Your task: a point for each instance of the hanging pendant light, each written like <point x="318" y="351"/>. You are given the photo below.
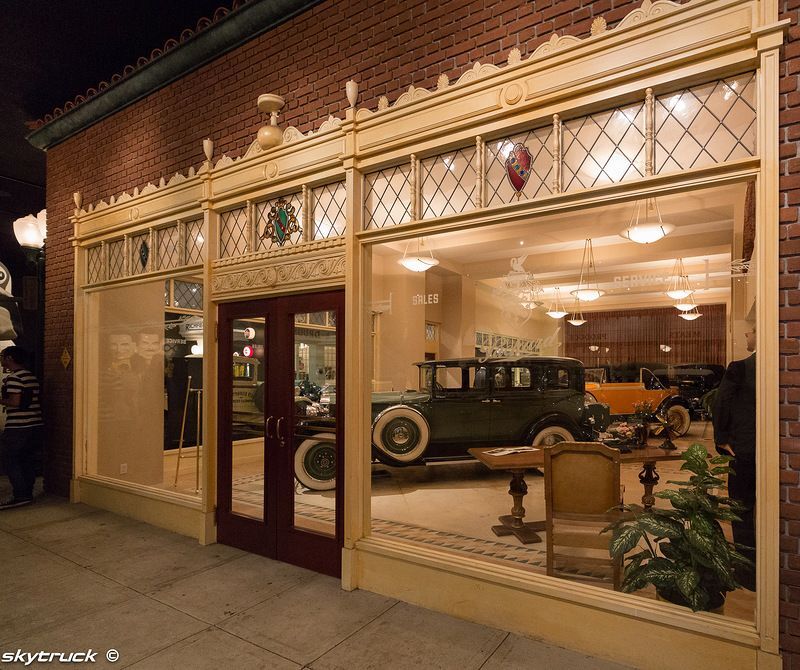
<point x="679" y="287"/>
<point x="646" y="228"/>
<point x="576" y="318"/>
<point x="588" y="289"/>
<point x="556" y="309"/>
<point x="689" y="310"/>
<point x="420" y="262"/>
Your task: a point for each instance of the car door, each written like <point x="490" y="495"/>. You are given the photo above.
<point x="516" y="402"/>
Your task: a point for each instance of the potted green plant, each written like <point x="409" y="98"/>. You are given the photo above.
<point x="683" y="551"/>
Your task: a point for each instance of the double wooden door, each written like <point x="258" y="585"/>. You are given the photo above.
<point x="276" y="355"/>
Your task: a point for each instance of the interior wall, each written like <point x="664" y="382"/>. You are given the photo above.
<point x="637" y="335"/>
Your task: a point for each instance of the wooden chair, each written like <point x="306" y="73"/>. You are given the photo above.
<point x="581" y="485"/>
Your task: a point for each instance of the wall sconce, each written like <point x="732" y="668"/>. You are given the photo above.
<point x="31" y="231"/>
<point x="271" y="135"/>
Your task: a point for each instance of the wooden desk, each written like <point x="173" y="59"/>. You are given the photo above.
<point x="517" y="464"/>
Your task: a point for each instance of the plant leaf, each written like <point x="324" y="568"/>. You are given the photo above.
<point x="623" y="540"/>
<point x="687" y="582"/>
<point x="701" y="542"/>
<point x="661" y="526"/>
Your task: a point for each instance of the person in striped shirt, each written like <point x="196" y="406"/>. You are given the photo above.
<point x="21" y="438"/>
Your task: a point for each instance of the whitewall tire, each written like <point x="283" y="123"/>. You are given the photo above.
<point x="315" y="462"/>
<point x="402" y="433"/>
<point x="679" y="420"/>
<point x="551" y="435"/>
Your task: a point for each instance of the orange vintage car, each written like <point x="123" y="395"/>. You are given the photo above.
<point x="622" y="398"/>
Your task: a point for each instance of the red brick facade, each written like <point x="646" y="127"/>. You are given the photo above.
<point x="385" y="46"/>
<point x="789" y="343"/>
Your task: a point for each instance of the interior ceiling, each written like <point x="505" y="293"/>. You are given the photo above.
<point x="707" y="235"/>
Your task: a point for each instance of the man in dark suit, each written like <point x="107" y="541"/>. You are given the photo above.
<point x="735" y="435"/>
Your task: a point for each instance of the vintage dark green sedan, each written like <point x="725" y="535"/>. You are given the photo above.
<point x="463" y="403"/>
<point x="467" y="402"/>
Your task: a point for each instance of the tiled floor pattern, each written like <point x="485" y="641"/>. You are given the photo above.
<point x="77" y="578"/>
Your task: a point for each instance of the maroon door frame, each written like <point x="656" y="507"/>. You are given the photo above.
<point x="276" y="536"/>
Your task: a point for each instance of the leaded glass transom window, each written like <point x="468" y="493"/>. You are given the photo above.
<point x="387" y="200"/>
<point x="539" y="143"/>
<point x="448" y="183"/>
<point x="187" y="295"/>
<point x="140" y="253"/>
<point x="330" y="213"/>
<point x="292" y="206"/>
<point x="116" y="259"/>
<point x="233" y="233"/>
<point x="195" y="242"/>
<point x="168" y="256"/>
<point x="95" y="263"/>
<point x="603" y="148"/>
<point x="707" y="124"/>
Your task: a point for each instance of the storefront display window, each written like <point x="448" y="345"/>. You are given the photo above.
<point x="145" y="384"/>
<point x="515" y="375"/>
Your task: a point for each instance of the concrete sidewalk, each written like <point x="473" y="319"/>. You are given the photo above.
<point x="76" y="578"/>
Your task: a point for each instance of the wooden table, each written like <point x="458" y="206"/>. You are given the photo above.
<point x="527" y="532"/>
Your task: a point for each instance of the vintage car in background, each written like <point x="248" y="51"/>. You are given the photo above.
<point x="468" y="402"/>
<point x="623" y="397"/>
<point x="693" y="381"/>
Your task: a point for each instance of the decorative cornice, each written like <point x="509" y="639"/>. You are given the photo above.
<point x="300" y="272"/>
<point x="649" y="10"/>
<point x="213" y="38"/>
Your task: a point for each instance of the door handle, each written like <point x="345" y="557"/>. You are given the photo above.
<point x="279" y="432"/>
<point x="266" y="428"/>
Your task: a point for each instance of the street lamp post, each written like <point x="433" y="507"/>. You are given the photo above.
<point x="31" y="232"/>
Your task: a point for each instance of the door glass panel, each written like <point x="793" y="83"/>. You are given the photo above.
<point x="314" y="423"/>
<point x="247" y="430"/>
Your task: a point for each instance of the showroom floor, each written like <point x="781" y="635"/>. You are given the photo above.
<point x="78" y="578"/>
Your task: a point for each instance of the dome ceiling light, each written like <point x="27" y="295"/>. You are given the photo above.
<point x="679" y="287"/>
<point x="419" y="262"/>
<point x="576" y="318"/>
<point x="556" y="309"/>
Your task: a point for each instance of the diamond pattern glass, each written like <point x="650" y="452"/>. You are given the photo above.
<point x="330" y="216"/>
<point x="167" y="241"/>
<point x="603" y="148"/>
<point x="705" y="125"/>
<point x="233" y="233"/>
<point x="387" y="201"/>
<point x="262" y="218"/>
<point x="138" y="253"/>
<point x="95" y="264"/>
<point x="116" y="259"/>
<point x="539" y="143"/>
<point x="448" y="183"/>
<point x="187" y="295"/>
<point x="195" y="242"/>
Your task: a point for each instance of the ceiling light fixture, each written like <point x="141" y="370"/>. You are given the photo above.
<point x="418" y="263"/>
<point x="648" y="228"/>
<point x="689" y="310"/>
<point x="576" y="318"/>
<point x="588" y="290"/>
<point x="556" y="309"/>
<point x="679" y="287"/>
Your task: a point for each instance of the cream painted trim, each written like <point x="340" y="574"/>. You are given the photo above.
<point x="767" y="359"/>
<point x="622" y="628"/>
<point x="152" y="492"/>
<point x="174" y="514"/>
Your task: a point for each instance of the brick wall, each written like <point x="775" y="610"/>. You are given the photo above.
<point x="789" y="343"/>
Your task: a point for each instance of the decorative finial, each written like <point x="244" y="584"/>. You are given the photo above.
<point x="208" y="148"/>
<point x="443" y="82"/>
<point x="77" y="198"/>
<point x="351" y="88"/>
<point x="271" y="135"/>
<point x="514" y="56"/>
